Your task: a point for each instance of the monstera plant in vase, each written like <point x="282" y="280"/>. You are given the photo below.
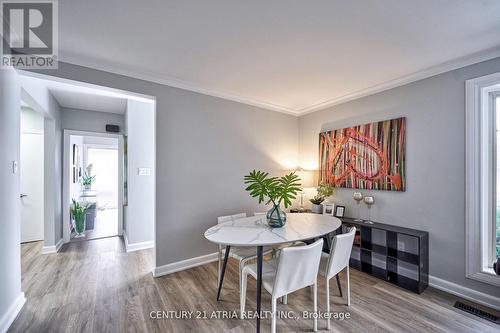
<point x="324" y="191"/>
<point x="275" y="191"/>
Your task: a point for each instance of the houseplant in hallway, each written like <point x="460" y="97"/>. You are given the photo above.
<point x="275" y="190"/>
<point x="78" y="215"/>
<point x="88" y="179"/>
<point x="324" y="191"/>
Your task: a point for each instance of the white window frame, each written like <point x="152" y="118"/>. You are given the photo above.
<point x="480" y="172"/>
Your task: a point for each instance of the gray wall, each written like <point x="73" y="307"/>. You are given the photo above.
<point x="10" y="227"/>
<point x="91" y="121"/>
<point x="140" y="210"/>
<point x="435" y="196"/>
<point x="205" y="145"/>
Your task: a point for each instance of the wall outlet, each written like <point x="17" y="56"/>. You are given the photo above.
<point x="144" y="171"/>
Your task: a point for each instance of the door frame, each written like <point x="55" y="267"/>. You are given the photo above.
<point x="67" y="177"/>
<point x="39" y="133"/>
<point x="49" y="175"/>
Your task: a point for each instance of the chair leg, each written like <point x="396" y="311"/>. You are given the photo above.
<point x="240" y="280"/>
<point x="338" y="285"/>
<point x="243" y="294"/>
<point x="348" y="288"/>
<point x="328" y="303"/>
<point x="315" y="306"/>
<point x="273" y="316"/>
<point x="284" y="299"/>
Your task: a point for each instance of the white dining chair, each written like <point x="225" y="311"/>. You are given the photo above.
<point x="333" y="263"/>
<point x="296" y="268"/>
<point x="242" y="254"/>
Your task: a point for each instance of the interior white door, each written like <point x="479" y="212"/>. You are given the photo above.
<point x="31" y="171"/>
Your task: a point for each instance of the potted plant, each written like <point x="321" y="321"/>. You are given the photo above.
<point x="78" y="214"/>
<point x="87" y="178"/>
<point x="275" y="190"/>
<point x="324" y="191"/>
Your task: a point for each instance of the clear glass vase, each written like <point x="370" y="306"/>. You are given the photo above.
<point x="276" y="218"/>
<point x="80" y="222"/>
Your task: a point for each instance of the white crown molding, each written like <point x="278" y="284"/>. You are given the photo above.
<point x="184" y="264"/>
<point x="177" y="83"/>
<point x="417" y="76"/>
<point x="53" y="248"/>
<point x="8" y="318"/>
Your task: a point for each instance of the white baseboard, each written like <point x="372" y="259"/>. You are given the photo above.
<point x="9" y="317"/>
<point x="466" y="293"/>
<point x="184" y="264"/>
<point x="53" y="248"/>
<point x="131" y="247"/>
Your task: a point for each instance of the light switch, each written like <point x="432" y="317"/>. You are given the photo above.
<point x="144" y="171"/>
<point x="15" y="167"/>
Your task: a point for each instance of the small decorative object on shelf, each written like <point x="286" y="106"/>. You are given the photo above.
<point x="79" y="214"/>
<point x="329" y="208"/>
<point x="358" y="196"/>
<point x="339" y="211"/>
<point x="496" y="266"/>
<point x="276" y="191"/>
<point x="369" y="201"/>
<point x="324" y="191"/>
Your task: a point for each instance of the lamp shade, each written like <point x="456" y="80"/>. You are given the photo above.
<point x="308" y="178"/>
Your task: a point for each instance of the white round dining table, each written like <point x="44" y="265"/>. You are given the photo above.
<point x="254" y="231"/>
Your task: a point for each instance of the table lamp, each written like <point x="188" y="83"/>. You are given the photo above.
<point x="308" y="179"/>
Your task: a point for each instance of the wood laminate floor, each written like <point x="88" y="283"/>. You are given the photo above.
<point x="95" y="286"/>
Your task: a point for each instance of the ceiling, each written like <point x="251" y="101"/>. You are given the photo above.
<point x="287" y="55"/>
<point x="72" y="98"/>
<point x="74" y="95"/>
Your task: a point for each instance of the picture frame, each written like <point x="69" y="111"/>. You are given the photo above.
<point x="76" y="164"/>
<point x="328" y="208"/>
<point x="75" y="154"/>
<point x="339" y="211"/>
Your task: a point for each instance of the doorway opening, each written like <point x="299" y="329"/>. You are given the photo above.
<point x="31" y="170"/>
<point x="95" y="170"/>
<point x="79" y="109"/>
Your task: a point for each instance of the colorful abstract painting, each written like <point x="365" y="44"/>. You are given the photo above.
<point x="370" y="156"/>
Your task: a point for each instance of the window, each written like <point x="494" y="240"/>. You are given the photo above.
<point x="482" y="177"/>
<point x="105" y="168"/>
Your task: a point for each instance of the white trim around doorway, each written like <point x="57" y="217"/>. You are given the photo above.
<point x="67" y="178"/>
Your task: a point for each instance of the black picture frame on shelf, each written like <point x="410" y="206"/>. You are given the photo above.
<point x="339" y="211"/>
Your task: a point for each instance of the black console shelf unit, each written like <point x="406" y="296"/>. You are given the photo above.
<point x="387" y="257"/>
